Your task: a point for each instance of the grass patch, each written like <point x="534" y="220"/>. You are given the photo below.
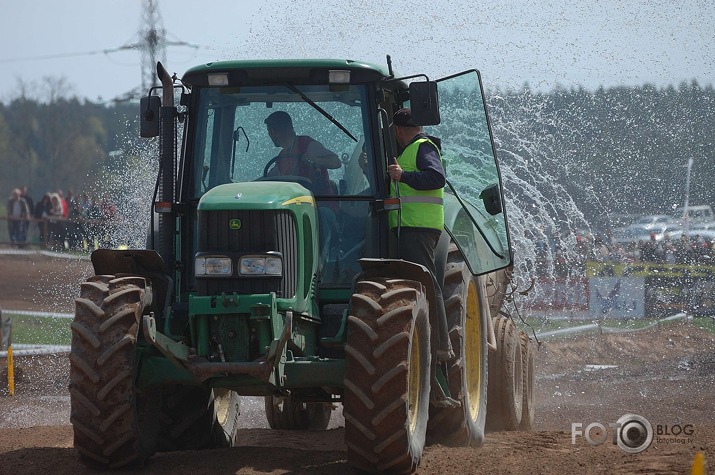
<point x="41" y="330"/>
<point x="549" y="324"/>
<point x="56" y="331"/>
<point x="706" y="323"/>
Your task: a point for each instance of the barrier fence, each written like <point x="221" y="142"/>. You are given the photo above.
<point x="56" y="232"/>
<point x="636" y="290"/>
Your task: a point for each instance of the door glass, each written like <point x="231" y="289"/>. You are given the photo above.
<point x="470" y="162"/>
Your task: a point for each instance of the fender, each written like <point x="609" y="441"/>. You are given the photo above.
<point x="401" y="269"/>
<point x="145" y="263"/>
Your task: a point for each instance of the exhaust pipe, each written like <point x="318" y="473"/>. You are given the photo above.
<point x="167" y="160"/>
<point x="167" y="84"/>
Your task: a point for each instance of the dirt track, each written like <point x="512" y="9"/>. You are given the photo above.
<point x="666" y="375"/>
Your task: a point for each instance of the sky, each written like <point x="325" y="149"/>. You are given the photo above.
<point x="545" y="43"/>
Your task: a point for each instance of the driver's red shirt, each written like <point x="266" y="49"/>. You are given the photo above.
<point x="290" y="162"/>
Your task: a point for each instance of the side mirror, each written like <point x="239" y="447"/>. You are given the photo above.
<point x="424" y="103"/>
<point x="149" y="116"/>
<point x="492" y="199"/>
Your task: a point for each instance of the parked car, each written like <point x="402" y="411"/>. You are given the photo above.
<point x="674" y="230"/>
<point x="652" y="220"/>
<point x="637" y="233"/>
<point x="702" y="227"/>
<point x="696" y="215"/>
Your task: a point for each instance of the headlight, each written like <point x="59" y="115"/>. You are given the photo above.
<point x="261" y="265"/>
<point x="213" y="265"/>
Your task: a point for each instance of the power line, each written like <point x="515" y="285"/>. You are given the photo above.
<point x="135" y="46"/>
<point x="61" y="55"/>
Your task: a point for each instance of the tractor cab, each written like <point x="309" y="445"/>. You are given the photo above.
<point x="346" y="107"/>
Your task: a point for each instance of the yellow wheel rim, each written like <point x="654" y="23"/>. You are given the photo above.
<point x="473" y="352"/>
<point x="414" y="381"/>
<point x="222" y="404"/>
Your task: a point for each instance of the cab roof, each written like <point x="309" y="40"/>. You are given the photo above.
<point x="299" y="71"/>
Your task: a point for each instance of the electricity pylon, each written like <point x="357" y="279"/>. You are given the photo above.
<point x="152" y="43"/>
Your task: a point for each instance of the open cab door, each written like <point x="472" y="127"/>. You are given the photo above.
<point x="475" y="211"/>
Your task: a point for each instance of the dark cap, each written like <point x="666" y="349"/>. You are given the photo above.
<point x="403" y="118"/>
<point x="278" y="119"/>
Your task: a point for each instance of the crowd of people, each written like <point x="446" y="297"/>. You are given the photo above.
<point x="689" y="249"/>
<point x="63" y="220"/>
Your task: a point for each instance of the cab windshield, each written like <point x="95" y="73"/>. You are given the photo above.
<point x="232" y="141"/>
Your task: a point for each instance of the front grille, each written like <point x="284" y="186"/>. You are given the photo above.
<point x="259" y="232"/>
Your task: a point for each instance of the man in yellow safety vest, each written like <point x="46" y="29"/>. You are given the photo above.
<point x="420" y="178"/>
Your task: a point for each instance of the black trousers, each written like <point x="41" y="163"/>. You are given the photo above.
<point x="418" y="245"/>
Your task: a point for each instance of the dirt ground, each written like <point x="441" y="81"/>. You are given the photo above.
<point x="666" y="375"/>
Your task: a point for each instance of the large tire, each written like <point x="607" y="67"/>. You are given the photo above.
<point x="196" y="418"/>
<point x="505" y="393"/>
<point x="527" y="366"/>
<point x="387" y="376"/>
<point x="285" y="414"/>
<point x="467" y="373"/>
<point x="114" y="422"/>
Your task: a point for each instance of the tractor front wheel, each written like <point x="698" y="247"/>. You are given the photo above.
<point x="114" y="422"/>
<point x="467" y="314"/>
<point x="387" y="376"/>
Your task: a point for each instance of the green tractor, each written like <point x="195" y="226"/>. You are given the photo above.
<point x="260" y="283"/>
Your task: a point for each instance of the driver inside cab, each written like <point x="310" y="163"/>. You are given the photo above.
<point x="300" y="155"/>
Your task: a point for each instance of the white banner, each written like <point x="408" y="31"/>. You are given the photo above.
<point x="616" y="297"/>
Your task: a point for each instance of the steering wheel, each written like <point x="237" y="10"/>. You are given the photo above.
<point x="301" y="180"/>
<point x="271" y="162"/>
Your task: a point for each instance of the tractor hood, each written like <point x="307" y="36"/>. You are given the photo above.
<point x="256" y="195"/>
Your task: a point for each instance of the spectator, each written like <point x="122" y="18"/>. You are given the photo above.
<point x="30" y="207"/>
<point x="63" y="203"/>
<point x="94" y="223"/>
<point x="56" y="224"/>
<point x="109" y="214"/>
<point x="18" y="214"/>
<point x="28" y="199"/>
<point x="648" y="249"/>
<point x="43" y="208"/>
<point x="74" y="228"/>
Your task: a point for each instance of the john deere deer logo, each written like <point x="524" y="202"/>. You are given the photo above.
<point x="234" y="224"/>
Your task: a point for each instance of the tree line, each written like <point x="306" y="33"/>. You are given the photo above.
<point x="622" y="150"/>
<point x="612" y="150"/>
<point x="60" y="142"/>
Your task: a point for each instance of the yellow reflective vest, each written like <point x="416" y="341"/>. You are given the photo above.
<point x="420" y="208"/>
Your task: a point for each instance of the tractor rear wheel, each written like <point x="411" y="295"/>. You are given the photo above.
<point x="196" y="418"/>
<point x="467" y="373"/>
<point x="527" y="366"/>
<point x="387" y="376"/>
<point x="114" y="422"/>
<point x="505" y="398"/>
<point x="285" y="414"/>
